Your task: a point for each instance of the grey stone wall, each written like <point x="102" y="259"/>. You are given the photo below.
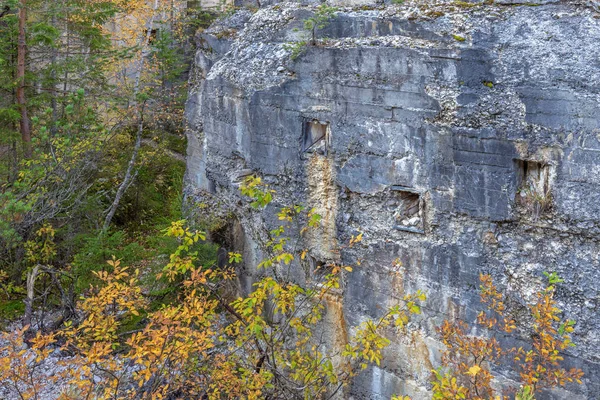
<point x="484" y="121"/>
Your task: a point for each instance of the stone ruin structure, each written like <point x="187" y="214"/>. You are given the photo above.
<point x="459" y="138"/>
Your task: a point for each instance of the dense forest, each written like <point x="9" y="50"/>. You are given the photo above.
<point x="106" y="292"/>
<point x="92" y="141"/>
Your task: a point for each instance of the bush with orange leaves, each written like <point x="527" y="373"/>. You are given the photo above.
<point x="467" y="363"/>
<point x="264" y="345"/>
<point x="205" y="346"/>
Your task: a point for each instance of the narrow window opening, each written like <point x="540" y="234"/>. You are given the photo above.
<point x="407" y="207"/>
<point x="534" y="195"/>
<point x="316" y="135"/>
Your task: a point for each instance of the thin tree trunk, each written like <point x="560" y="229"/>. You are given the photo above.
<point x="31" y="277"/>
<point x="21" y="99"/>
<point x="14" y="170"/>
<point x="145" y="43"/>
<point x="53" y="61"/>
<point x="66" y="56"/>
<point x="129" y="175"/>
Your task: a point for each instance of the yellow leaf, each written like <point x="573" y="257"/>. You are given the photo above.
<point x="474" y="370"/>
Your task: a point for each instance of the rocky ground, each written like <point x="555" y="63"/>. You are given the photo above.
<point x="47" y="373"/>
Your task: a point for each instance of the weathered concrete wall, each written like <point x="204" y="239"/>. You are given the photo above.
<point x="419" y="117"/>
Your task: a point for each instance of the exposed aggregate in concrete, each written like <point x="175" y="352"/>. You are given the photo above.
<point x="443" y="98"/>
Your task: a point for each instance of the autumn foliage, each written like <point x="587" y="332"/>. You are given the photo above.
<point x="468" y="361"/>
<point x="204" y="345"/>
<point x="207" y="344"/>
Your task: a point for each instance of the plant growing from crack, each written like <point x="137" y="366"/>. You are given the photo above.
<point x="321" y="18"/>
<point x="295" y="49"/>
<point x="536" y="197"/>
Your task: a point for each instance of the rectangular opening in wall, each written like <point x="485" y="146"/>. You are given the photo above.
<point x="315" y="135"/>
<point x="407" y="207"/>
<point x="534" y="196"/>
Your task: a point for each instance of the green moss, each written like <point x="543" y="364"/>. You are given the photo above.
<point x="465" y="4"/>
<point x="458" y="38"/>
<point x="95" y="250"/>
<point x="435" y="14"/>
<point x="11" y="309"/>
<point x="175" y="142"/>
<point x="488" y="84"/>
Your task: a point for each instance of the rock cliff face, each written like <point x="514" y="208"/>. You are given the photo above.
<point x="460" y="139"/>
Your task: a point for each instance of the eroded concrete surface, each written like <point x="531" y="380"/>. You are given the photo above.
<point x="474" y="110"/>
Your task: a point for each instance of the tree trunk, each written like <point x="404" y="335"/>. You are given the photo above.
<point x="31" y="277"/>
<point x="144" y="46"/>
<point x="21" y="99"/>
<point x="129" y="175"/>
<point x="53" y="61"/>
